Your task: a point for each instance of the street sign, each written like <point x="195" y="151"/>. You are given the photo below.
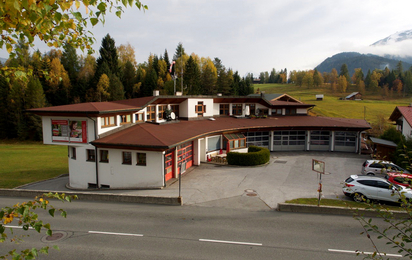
<point x="318" y="166"/>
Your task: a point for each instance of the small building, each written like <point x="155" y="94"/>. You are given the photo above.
<point x="383" y="149"/>
<point x="354" y="96"/>
<point x="402" y="116"/>
<point x="319" y="97"/>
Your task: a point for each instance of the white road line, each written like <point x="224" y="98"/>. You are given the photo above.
<point x="355" y="252"/>
<point x="230" y="242"/>
<point x="21" y="227"/>
<point x="116" y="234"/>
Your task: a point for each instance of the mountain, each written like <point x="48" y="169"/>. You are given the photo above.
<point x="394" y="38"/>
<point x="357" y="60"/>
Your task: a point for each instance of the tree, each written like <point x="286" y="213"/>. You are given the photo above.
<point x="128" y="79"/>
<point x="103" y="87"/>
<point x="34" y="98"/>
<point x="108" y="54"/>
<point x="180" y="51"/>
<point x="209" y="77"/>
<point x="23" y="215"/>
<point x="308" y="79"/>
<point x="116" y="88"/>
<point x="342" y="84"/>
<point x="345" y="72"/>
<point x="55" y="21"/>
<point x="192" y="77"/>
<point x="126" y="53"/>
<point x="317" y="78"/>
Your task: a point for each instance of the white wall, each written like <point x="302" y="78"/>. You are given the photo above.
<point x="191" y="107"/>
<point x="120" y="176"/>
<point x="81" y="172"/>
<point x="47" y="128"/>
<point x="406" y="128"/>
<point x="216" y="109"/>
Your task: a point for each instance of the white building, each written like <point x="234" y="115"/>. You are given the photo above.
<point x="144" y="142"/>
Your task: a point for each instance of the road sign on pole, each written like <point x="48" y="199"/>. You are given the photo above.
<point x="319" y="166"/>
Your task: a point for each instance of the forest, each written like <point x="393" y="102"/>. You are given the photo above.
<point x="61" y="77"/>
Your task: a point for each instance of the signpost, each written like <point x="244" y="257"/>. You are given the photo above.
<point x="319" y="166"/>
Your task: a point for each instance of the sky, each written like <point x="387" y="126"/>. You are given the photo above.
<point x="259" y="35"/>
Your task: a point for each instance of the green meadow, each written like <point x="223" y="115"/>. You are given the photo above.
<point x="27" y="162"/>
<point x="369" y="108"/>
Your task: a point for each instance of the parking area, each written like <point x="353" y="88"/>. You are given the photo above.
<point x="287" y="176"/>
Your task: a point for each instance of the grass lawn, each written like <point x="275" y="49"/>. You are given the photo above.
<point x="28" y="162"/>
<point x="369" y="108"/>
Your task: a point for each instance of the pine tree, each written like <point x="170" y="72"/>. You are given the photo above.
<point x="128" y="79"/>
<point x="34" y="98"/>
<point x="345" y="72"/>
<point x="108" y="54"/>
<point x="116" y="88"/>
<point x="180" y="51"/>
<point x="192" y="77"/>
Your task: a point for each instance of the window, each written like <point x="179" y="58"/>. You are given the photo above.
<point x="277" y="111"/>
<point x="108" y="121"/>
<point x="141" y="159"/>
<point x="345" y="138"/>
<point x="175" y="109"/>
<point x="290" y="111"/>
<point x="125" y="119"/>
<point x="200" y="108"/>
<point x="151" y="113"/>
<point x="237" y="109"/>
<point x="161" y="109"/>
<point x="213" y="143"/>
<point x="127" y="158"/>
<point x="138" y="117"/>
<point x="224" y="109"/>
<point x="236" y="140"/>
<point x="91" y="157"/>
<point x="73" y="153"/>
<point x="104" y="156"/>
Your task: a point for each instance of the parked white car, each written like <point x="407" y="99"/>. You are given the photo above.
<point x="376" y="167"/>
<point x="360" y="188"/>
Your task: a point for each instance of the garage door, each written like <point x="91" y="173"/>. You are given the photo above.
<point x="289" y="140"/>
<point x="260" y="139"/>
<point x="319" y="140"/>
<point x="345" y="141"/>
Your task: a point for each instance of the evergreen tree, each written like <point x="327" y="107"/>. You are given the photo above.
<point x="128" y="79"/>
<point x="116" y="89"/>
<point x="191" y="78"/>
<point x="345" y="72"/>
<point x="272" y="76"/>
<point x="180" y="51"/>
<point x="34" y="98"/>
<point x="70" y="62"/>
<point x="368" y="79"/>
<point x="5" y="123"/>
<point x="108" y="54"/>
<point x="166" y="59"/>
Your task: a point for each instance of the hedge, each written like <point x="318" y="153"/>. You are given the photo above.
<point x="254" y="156"/>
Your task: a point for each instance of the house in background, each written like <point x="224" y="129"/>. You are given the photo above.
<point x="144" y="142"/>
<point x="383" y="149"/>
<point x="402" y="116"/>
<point x="354" y="96"/>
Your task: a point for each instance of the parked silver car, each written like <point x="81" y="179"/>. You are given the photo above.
<point x="376" y="167"/>
<point x="361" y="187"/>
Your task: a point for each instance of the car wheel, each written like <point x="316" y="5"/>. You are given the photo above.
<point x="370" y="174"/>
<point x="358" y="197"/>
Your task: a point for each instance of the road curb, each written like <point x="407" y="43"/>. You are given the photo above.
<point x="300" y="208"/>
<point x="173" y="201"/>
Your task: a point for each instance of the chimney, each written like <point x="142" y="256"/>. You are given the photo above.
<point x="219" y="94"/>
<point x="155" y="93"/>
<point x="178" y="93"/>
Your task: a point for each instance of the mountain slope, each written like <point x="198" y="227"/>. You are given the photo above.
<point x="356" y="60"/>
<point x="394" y="38"/>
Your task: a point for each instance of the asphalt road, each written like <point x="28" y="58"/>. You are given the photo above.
<point x="99" y="230"/>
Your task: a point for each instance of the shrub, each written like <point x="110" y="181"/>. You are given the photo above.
<point x="254" y="156"/>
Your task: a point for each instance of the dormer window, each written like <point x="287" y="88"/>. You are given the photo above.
<point x="200" y="108"/>
<point x="290" y="111"/>
<point x="125" y="119"/>
<point x="108" y="121"/>
<point x="151" y="113"/>
<point x="237" y="109"/>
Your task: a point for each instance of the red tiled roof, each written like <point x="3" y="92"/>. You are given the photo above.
<point x="168" y="135"/>
<point x="405" y="111"/>
<point x="97" y="107"/>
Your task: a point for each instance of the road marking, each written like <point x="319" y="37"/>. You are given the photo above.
<point x="355" y="252"/>
<point x="21" y="227"/>
<point x="117" y="234"/>
<point x="230" y="242"/>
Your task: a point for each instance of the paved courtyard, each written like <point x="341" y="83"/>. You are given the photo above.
<point x="287" y="176"/>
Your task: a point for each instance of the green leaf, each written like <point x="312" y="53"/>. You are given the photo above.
<point x="77" y="15"/>
<point x="64" y="214"/>
<point x="51" y="212"/>
<point x="2" y="214"/>
<point x="94" y="21"/>
<point x="102" y="7"/>
<point x="119" y="14"/>
<point x="49" y="232"/>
